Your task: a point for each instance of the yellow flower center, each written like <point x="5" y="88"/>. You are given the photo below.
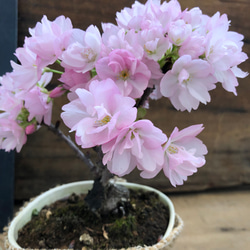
<point x="124" y="75"/>
<point x="103" y="121"/>
<point x="149" y="52"/>
<point x="88" y="55"/>
<point x="172" y="149"/>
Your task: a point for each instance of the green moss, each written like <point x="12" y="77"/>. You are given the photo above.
<point x="124" y="226"/>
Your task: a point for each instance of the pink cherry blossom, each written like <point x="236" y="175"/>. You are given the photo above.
<point x="132" y="18"/>
<point x="194" y="17"/>
<point x="224" y="51"/>
<point x="49" y="39"/>
<point x="37" y="101"/>
<point x="7" y="82"/>
<point x="28" y="73"/>
<point x="130" y="74"/>
<point x="217" y="21"/>
<point x="12" y="136"/>
<point x="39" y="105"/>
<point x="84" y="51"/>
<point x="147" y="16"/>
<point x="193" y="46"/>
<point x="10" y="102"/>
<point x="115" y="37"/>
<point x="137" y="145"/>
<point x="99" y="114"/>
<point x="170" y="11"/>
<point x="184" y="153"/>
<point x="179" y="31"/>
<point x="154" y="42"/>
<point x="228" y="78"/>
<point x="188" y="83"/>
<point x="71" y="78"/>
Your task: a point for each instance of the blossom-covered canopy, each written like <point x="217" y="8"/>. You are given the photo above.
<point x="154" y="50"/>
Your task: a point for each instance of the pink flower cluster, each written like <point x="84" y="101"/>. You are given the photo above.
<point x="154" y="46"/>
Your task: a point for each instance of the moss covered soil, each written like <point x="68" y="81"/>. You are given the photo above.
<point x="69" y="224"/>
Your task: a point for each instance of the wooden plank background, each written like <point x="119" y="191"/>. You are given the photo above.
<point x="45" y="161"/>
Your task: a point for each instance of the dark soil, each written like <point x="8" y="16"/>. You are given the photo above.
<point x="68" y="223"/>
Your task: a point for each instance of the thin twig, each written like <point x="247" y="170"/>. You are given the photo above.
<point x="72" y="145"/>
<point x="144" y="97"/>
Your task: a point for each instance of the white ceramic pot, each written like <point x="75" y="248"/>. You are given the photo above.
<point x="57" y="193"/>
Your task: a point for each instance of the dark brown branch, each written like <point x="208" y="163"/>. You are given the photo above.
<point x="72" y="145"/>
<point x="144" y="97"/>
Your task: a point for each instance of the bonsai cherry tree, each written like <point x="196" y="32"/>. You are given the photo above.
<point x="155" y="50"/>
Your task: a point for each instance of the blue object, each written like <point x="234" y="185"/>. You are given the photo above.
<point x="8" y="43"/>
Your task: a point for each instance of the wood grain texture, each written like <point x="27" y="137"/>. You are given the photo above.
<point x="45" y="161"/>
<point x="213" y="221"/>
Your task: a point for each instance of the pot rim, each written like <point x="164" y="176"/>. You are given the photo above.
<point x="64" y="190"/>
